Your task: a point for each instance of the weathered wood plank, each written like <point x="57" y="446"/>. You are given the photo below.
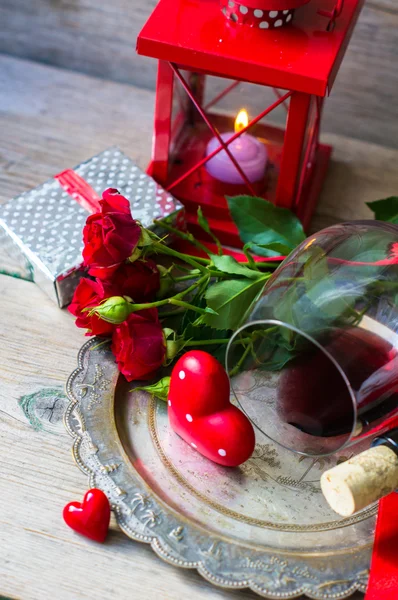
<point x="49" y="120"/>
<point x="63" y="120"/>
<point x="40" y="556"/>
<point x="92" y="37"/>
<point x="386" y="5"/>
<point x="99" y="39"/>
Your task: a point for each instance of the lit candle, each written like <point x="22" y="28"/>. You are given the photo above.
<point x="249" y="152"/>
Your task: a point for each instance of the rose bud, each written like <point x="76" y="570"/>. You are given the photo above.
<point x="160" y="389"/>
<point x="114" y="310"/>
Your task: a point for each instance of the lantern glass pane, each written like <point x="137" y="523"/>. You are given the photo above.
<point x="308" y="153"/>
<point x="191" y="140"/>
<point x="254" y="98"/>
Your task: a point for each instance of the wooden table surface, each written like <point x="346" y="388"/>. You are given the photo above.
<point x="97" y="38"/>
<point x="50" y="120"/>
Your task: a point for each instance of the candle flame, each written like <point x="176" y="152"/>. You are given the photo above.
<point x="242" y="120"/>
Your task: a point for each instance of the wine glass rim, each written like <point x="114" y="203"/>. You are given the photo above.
<point x="326" y="353"/>
<point x="380" y="224"/>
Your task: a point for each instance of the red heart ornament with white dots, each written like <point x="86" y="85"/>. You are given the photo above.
<point x="201" y="413"/>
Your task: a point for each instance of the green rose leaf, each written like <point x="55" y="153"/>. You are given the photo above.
<point x="160" y="389"/>
<point x="385" y="210"/>
<point x="273" y="352"/>
<point x="263" y="224"/>
<point x="228" y="264"/>
<point x="272" y="249"/>
<point x="231" y="300"/>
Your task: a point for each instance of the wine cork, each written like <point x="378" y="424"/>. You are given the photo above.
<point x="360" y="481"/>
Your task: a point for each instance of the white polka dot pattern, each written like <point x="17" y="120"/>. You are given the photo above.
<point x="255" y="17"/>
<point x="48" y="222"/>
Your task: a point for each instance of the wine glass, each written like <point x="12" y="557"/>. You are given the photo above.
<point x="315" y="365"/>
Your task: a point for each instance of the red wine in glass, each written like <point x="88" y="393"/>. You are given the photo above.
<point x="355" y="371"/>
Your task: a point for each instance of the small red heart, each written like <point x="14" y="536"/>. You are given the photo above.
<point x="90" y="517"/>
<point x="201" y="413"/>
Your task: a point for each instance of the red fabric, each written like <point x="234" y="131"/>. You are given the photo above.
<point x="79" y="189"/>
<point x="383" y="581"/>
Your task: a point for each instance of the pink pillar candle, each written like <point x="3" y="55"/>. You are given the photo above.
<point x="249" y="152"/>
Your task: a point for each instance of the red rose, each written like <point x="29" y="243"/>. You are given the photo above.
<point x="139" y="345"/>
<point x="109" y="236"/>
<point x="139" y="280"/>
<point x="91" y="293"/>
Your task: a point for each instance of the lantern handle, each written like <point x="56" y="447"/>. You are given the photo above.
<point x="333" y="14"/>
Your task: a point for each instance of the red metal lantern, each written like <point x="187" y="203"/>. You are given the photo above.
<point x="194" y="42"/>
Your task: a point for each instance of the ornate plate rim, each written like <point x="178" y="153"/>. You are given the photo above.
<point x="73" y="412"/>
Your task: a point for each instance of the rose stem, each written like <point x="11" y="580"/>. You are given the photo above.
<point x="210" y="342"/>
<point x="188" y="306"/>
<point x="213" y="273"/>
<point x="184" y="236"/>
<point x="242" y="358"/>
<point x="250" y="259"/>
<point x="190" y="260"/>
<point x="251" y="263"/>
<point x="185" y="277"/>
<point x="162" y="249"/>
<point x="176" y="300"/>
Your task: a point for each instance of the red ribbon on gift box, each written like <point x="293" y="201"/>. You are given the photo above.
<point x="383" y="580"/>
<point x="80" y="190"/>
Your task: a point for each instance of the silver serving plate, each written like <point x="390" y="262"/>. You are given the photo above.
<point x="264" y="525"/>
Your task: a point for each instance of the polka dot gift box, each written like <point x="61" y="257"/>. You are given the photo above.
<point x="264" y="14"/>
<point x="41" y="230"/>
